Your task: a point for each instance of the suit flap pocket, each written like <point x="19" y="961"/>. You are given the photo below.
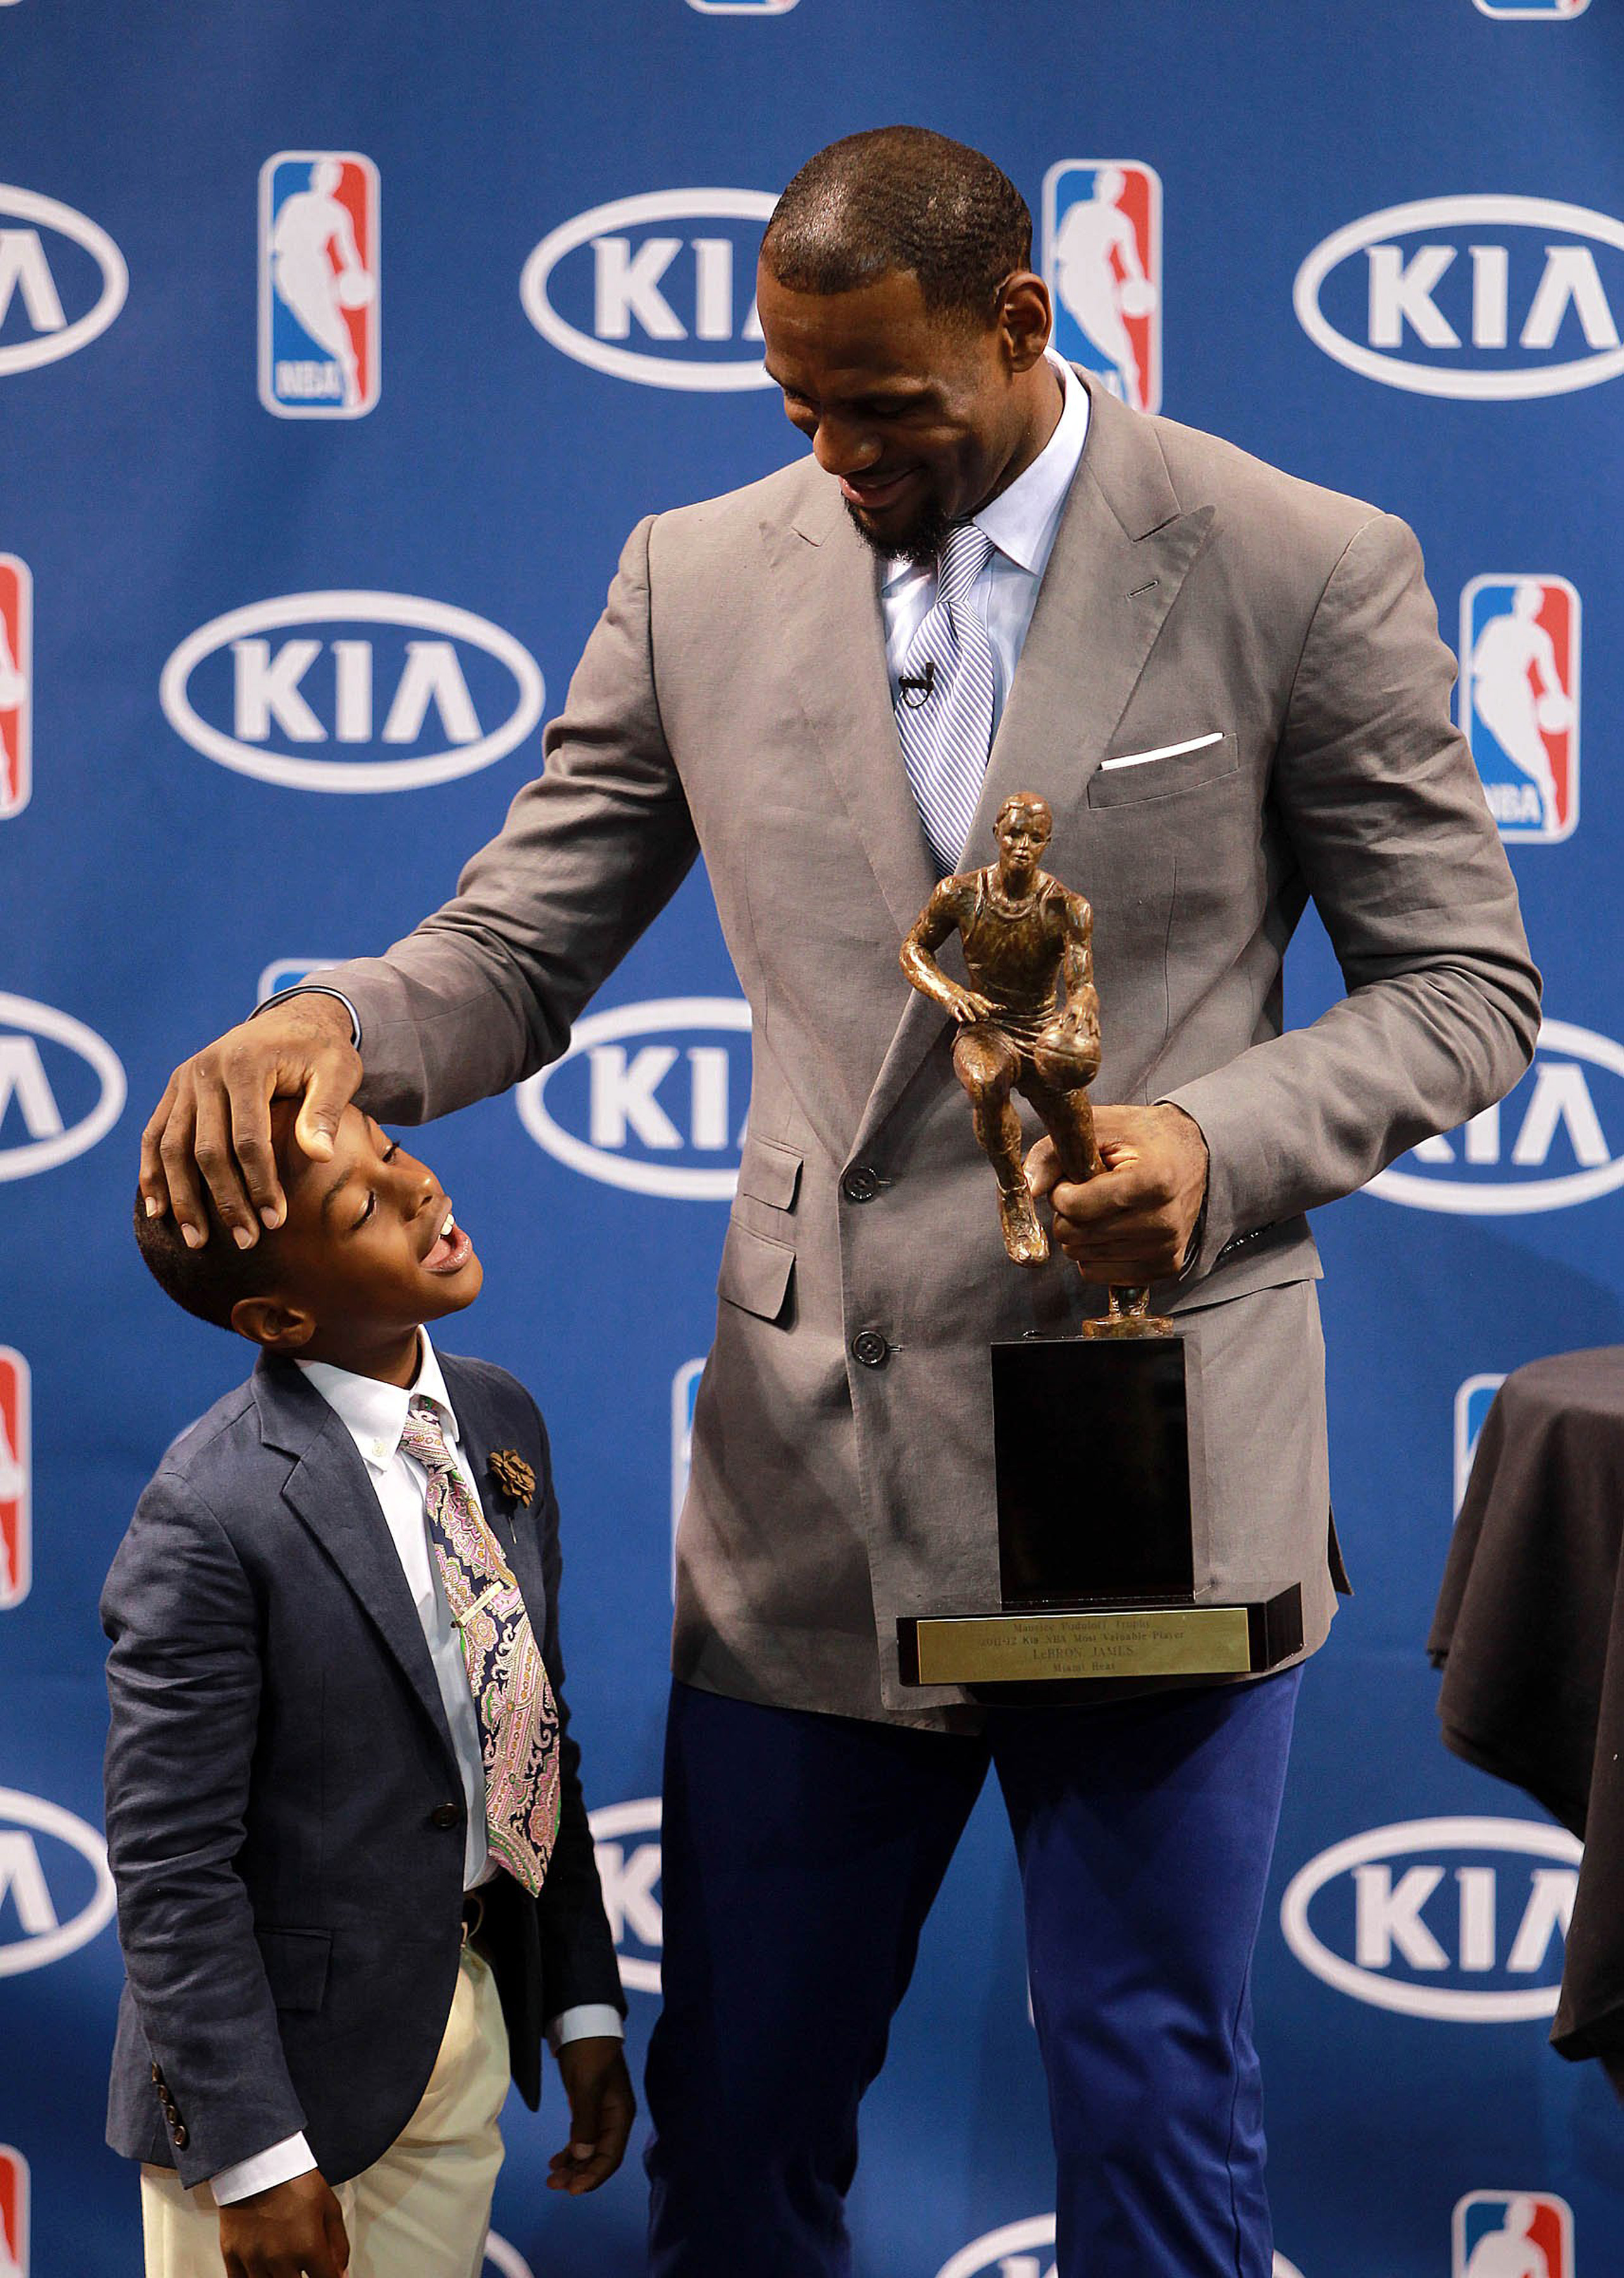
<point x="769" y="1172"/>
<point x="1164" y="773"/>
<point x="755" y="1271"/>
<point x="296" y="1966"/>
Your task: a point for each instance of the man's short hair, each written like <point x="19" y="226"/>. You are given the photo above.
<point x="901" y="198"/>
<point x="210" y="1281"/>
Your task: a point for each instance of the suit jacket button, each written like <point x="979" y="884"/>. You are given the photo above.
<point x="446" y="1815"/>
<point x="870" y="1347"/>
<point x="179" y="2135"/>
<point x="158" y="2076"/>
<point x="860" y="1184"/>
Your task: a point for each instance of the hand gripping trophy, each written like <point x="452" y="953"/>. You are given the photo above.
<point x="1022" y="933"/>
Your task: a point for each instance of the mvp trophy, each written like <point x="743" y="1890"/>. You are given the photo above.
<point x="1091" y="1437"/>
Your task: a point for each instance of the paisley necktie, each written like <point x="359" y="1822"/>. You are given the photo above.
<point x="518" y="1717"/>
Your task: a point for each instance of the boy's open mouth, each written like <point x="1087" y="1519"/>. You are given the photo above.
<point x="451" y="1248"/>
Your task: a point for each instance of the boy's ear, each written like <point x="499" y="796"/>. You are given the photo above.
<point x="274" y="1324"/>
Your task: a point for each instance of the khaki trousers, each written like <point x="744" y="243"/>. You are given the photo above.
<point x="420" y="2212"/>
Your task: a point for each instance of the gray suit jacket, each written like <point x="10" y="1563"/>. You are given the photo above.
<point x="285" y="1813"/>
<point x="734" y="699"/>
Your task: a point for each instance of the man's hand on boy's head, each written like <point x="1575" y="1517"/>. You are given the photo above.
<point x="293" y="2230"/>
<point x="602" y="2108"/>
<point x="215" y="1117"/>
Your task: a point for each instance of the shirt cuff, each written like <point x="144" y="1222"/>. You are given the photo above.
<point x="589" y="2020"/>
<point x="313" y="989"/>
<point x="263" y="2172"/>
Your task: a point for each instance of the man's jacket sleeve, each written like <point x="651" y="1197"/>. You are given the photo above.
<point x="1382" y="805"/>
<point x="483" y="993"/>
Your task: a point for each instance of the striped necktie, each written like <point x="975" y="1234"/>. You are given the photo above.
<point x="518" y="1717"/>
<point x="946" y="727"/>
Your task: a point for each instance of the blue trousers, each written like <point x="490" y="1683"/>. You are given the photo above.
<point x="800" y="1856"/>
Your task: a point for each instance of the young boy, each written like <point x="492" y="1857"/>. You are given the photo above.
<point x="354" y="1868"/>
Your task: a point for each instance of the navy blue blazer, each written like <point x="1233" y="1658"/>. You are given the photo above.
<point x="285" y="1816"/>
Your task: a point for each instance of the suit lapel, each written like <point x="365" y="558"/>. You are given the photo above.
<point x="1121" y="554"/>
<point x="832" y="639"/>
<point x="330" y="1490"/>
<point x="483" y="1429"/>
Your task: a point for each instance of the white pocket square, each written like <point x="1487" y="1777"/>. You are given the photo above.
<point x="1163" y="752"/>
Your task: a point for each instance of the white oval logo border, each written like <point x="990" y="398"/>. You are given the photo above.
<point x="1441" y="2004"/>
<point x="658" y="1016"/>
<point x="33" y="1811"/>
<point x="409" y="611"/>
<point x="37" y="1155"/>
<point x="1453" y="213"/>
<point x="1459" y="1197"/>
<point x="1034" y="2231"/>
<point x="91" y="238"/>
<point x="644" y="1815"/>
<point x="685" y="372"/>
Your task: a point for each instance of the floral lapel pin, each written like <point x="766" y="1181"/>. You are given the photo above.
<point x="513" y="1475"/>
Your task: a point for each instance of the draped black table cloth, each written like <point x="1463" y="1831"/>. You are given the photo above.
<point x="1530" y="1632"/>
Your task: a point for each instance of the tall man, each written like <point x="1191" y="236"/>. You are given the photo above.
<point x="1230" y="688"/>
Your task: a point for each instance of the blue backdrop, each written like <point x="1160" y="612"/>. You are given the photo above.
<point x="338" y="351"/>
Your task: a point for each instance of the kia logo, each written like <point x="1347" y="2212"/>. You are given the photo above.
<point x="1545" y="1147"/>
<point x="46" y="278"/>
<point x="1026" y="2250"/>
<point x="625" y="1844"/>
<point x="668" y="270"/>
<point x="35" y="1084"/>
<point x="506" y="2260"/>
<point x="403" y="692"/>
<point x="56" y="1889"/>
<point x="1486" y="298"/>
<point x="649" y="1096"/>
<point x="1458" y="1920"/>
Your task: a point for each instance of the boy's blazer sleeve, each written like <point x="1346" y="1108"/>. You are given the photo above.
<point x="1386" y="816"/>
<point x="184" y="1682"/>
<point x="578" y="1960"/>
<point x="484" y="991"/>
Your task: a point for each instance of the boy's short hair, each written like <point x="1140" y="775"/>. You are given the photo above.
<point x="207" y="1282"/>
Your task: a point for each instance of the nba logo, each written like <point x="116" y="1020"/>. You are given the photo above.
<point x="318" y="284"/>
<point x="16" y="685"/>
<point x="1102" y="259"/>
<point x="13" y="2213"/>
<point x="1473" y="1402"/>
<point x="684" y="1393"/>
<point x="16" y="1526"/>
<point x="1513" y="2235"/>
<point x="1520" y="700"/>
<point x="1532" y="10"/>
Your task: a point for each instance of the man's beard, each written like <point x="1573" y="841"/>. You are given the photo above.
<point x="920" y="541"/>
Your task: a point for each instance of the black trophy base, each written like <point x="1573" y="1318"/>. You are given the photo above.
<point x="1095" y="1556"/>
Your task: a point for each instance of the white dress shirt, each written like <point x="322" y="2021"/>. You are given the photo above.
<point x="1021" y="522"/>
<point x="374" y="1415"/>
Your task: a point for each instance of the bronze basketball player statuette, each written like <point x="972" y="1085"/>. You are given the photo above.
<point x="1024" y="938"/>
<point x="1098" y="1572"/>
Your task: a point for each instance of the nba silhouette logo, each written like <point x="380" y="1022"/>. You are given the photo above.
<point x="1532" y="10"/>
<point x="16" y="1501"/>
<point x="16" y="685"/>
<point x="685" y="1395"/>
<point x="13" y="2213"/>
<point x="318" y="284"/>
<point x="1103" y="260"/>
<point x="1513" y="2235"/>
<point x="1473" y="1400"/>
<point x="1520" y="700"/>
